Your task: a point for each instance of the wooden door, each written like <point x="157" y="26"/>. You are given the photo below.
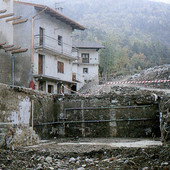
<point x="40" y="64"/>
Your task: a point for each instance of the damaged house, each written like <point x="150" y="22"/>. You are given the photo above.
<point x="38" y="41"/>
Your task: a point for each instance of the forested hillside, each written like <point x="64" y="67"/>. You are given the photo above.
<point x="135" y="33"/>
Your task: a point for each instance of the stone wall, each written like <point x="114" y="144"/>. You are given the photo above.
<point x="125" y="112"/>
<point x="17" y="107"/>
<point x="105" y="115"/>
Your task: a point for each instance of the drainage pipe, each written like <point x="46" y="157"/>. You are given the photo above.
<point x="94" y="121"/>
<point x="111" y="107"/>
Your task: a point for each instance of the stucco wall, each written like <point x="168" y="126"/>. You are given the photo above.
<point x="5" y="68"/>
<point x="6" y="29"/>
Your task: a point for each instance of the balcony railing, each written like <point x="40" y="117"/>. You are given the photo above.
<point x="53" y="45"/>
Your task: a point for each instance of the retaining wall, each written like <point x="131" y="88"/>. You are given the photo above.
<point x="125" y="112"/>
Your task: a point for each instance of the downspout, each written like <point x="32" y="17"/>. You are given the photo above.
<point x="32" y="33"/>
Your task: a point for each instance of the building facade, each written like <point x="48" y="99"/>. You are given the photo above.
<point x="86" y="66"/>
<point x="45" y="60"/>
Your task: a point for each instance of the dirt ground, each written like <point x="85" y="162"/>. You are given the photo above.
<point x="94" y="154"/>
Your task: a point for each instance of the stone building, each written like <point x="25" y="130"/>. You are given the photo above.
<point x="38" y="42"/>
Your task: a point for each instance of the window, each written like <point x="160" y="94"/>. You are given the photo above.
<point x="40" y="64"/>
<point x="74" y="77"/>
<point x="60" y="40"/>
<point x="50" y="89"/>
<point x="85" y="70"/>
<point x="41" y="34"/>
<point x="85" y="57"/>
<point x="60" y="67"/>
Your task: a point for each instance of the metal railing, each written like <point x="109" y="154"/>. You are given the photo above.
<point x="54" y="45"/>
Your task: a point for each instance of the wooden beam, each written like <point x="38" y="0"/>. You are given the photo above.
<point x="13" y="18"/>
<point x="6" y="15"/>
<point x="19" y="22"/>
<point x="19" y="51"/>
<point x="3" y="11"/>
<point x="1" y="44"/>
<point x="11" y="49"/>
<point x="8" y="46"/>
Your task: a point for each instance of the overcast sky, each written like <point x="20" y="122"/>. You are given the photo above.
<point x="166" y="1"/>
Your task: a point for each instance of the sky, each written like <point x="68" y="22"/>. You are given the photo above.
<point x="165" y="1"/>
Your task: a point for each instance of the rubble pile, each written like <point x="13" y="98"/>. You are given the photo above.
<point x="118" y="158"/>
<point x="154" y="73"/>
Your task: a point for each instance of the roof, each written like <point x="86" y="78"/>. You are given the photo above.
<point x="54" y="13"/>
<point x="87" y="45"/>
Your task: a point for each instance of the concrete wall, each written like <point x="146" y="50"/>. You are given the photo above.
<point x="5" y="68"/>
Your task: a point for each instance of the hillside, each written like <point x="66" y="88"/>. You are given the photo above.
<point x="130" y="17"/>
<point x="136" y="33"/>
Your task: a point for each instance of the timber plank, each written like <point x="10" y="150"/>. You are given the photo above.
<point x="6" y="15"/>
<point x="13" y="18"/>
<point x="19" y="51"/>
<point x="11" y="49"/>
<point x="19" y="21"/>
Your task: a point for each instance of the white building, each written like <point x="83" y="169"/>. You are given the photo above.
<point x="46" y="37"/>
<point x="86" y="67"/>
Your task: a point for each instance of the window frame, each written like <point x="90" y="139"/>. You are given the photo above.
<point x="60" y="40"/>
<point x="85" y="58"/>
<point x="60" y="67"/>
<point x="85" y="72"/>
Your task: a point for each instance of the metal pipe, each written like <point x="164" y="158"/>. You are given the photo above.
<point x="94" y="121"/>
<point x="111" y="107"/>
<point x="13" y="70"/>
<point x="32" y="102"/>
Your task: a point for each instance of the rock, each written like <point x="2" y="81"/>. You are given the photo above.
<point x="51" y="168"/>
<point x="71" y="160"/>
<point x="77" y="162"/>
<point x="84" y="165"/>
<point x="39" y="167"/>
<point x="164" y="163"/>
<point x="88" y="160"/>
<point x="80" y="168"/>
<point x="49" y="159"/>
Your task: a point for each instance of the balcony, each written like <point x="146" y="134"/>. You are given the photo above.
<point x="53" y="46"/>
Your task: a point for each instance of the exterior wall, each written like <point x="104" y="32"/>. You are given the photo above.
<point x="6" y="35"/>
<point x="92" y="67"/>
<point x="5" y="68"/>
<point x="6" y="29"/>
<point x="52" y="28"/>
<point x="22" y="38"/>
